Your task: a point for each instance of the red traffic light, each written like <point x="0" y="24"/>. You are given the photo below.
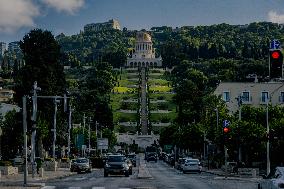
<point x="226" y="129"/>
<point x="275" y="54"/>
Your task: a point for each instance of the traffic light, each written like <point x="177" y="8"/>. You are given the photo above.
<point x="276" y="62"/>
<point x="226" y="130"/>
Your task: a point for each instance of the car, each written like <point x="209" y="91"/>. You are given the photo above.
<point x="116" y="164"/>
<point x="180" y="162"/>
<point x="72" y="165"/>
<point x="152" y="157"/>
<point x="82" y="165"/>
<point x="132" y="157"/>
<point x="191" y="165"/>
<point x="18" y="160"/>
<point x="275" y="180"/>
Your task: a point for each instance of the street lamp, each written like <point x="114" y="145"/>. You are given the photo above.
<point x="267" y="144"/>
<point x="54" y="127"/>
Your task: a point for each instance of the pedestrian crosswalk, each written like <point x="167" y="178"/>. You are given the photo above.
<point x="78" y="187"/>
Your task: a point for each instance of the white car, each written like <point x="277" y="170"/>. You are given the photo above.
<point x="275" y="180"/>
<point x="191" y="165"/>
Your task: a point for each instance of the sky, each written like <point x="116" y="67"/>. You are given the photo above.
<point x="18" y="17"/>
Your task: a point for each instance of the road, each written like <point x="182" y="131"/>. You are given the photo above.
<point x="163" y="175"/>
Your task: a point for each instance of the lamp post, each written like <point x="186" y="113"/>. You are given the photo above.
<point x="54" y="128"/>
<point x="267" y="144"/>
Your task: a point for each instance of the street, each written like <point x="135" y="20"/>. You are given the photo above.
<point x="163" y="175"/>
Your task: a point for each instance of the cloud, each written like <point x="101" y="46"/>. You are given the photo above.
<point x="273" y="16"/>
<point x="15" y="14"/>
<point x="69" y="6"/>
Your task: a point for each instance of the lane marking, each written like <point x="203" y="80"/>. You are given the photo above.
<point x="48" y="187"/>
<point x="98" y="187"/>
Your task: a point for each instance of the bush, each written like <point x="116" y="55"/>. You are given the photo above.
<point x="161" y="98"/>
<point x="6" y="163"/>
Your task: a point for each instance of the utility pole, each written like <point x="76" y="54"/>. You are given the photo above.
<point x="35" y="89"/>
<point x="89" y="130"/>
<point x="226" y="156"/>
<point x="25" y="139"/>
<point x="84" y="125"/>
<point x="69" y="130"/>
<point x="54" y="128"/>
<point x="267" y="144"/>
<point x="240" y="102"/>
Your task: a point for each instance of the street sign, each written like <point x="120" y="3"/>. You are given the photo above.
<point x="102" y="143"/>
<point x="275" y="44"/>
<point x="226" y="123"/>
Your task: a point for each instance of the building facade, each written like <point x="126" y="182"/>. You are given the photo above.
<point x="253" y="94"/>
<point x="14" y="47"/>
<point x="143" y="54"/>
<point x="111" y="24"/>
<point x="2" y="48"/>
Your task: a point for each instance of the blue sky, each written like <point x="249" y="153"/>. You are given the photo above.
<point x="18" y="17"/>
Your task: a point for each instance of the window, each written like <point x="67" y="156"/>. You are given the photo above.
<point x="226" y="96"/>
<point x="246" y="97"/>
<point x="264" y="96"/>
<point x="281" y="97"/>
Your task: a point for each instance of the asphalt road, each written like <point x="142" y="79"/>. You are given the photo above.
<point x="163" y="175"/>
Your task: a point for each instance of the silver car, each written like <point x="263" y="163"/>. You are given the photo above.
<point x="275" y="180"/>
<point x="191" y="165"/>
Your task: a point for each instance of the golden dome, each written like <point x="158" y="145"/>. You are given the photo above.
<point x="143" y="37"/>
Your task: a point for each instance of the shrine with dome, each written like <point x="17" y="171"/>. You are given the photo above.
<point x="143" y="55"/>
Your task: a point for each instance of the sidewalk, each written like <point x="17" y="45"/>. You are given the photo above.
<point x="17" y="181"/>
<point x="231" y="176"/>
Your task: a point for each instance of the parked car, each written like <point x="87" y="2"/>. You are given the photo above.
<point x="132" y="157"/>
<point x="275" y="180"/>
<point x="116" y="164"/>
<point x="180" y="162"/>
<point x="191" y="165"/>
<point x="82" y="165"/>
<point x="152" y="157"/>
<point x="73" y="165"/>
<point x="18" y="160"/>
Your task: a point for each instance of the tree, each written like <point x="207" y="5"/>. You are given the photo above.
<point x="41" y="54"/>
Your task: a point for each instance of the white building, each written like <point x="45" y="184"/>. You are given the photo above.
<point x="111" y="24"/>
<point x="253" y="94"/>
<point x="143" y="54"/>
<point x="2" y="48"/>
<point x="14" y="47"/>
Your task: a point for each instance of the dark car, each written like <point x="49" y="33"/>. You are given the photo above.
<point x="132" y="157"/>
<point x="73" y="165"/>
<point x="116" y="164"/>
<point x="152" y="157"/>
<point x="82" y="165"/>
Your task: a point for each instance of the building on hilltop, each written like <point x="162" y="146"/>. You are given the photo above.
<point x="251" y="93"/>
<point x="111" y="24"/>
<point x="143" y="54"/>
<point x="2" y="48"/>
<point x="14" y="47"/>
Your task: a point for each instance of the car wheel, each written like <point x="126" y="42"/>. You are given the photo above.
<point x="130" y="172"/>
<point x="183" y="172"/>
<point x="78" y="172"/>
<point x="127" y="174"/>
<point x="105" y="174"/>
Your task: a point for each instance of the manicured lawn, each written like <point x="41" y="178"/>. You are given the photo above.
<point x="160" y="82"/>
<point x="160" y="88"/>
<point x="169" y="117"/>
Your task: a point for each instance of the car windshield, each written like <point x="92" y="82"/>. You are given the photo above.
<point x="81" y="161"/>
<point x="131" y="156"/>
<point x="190" y="161"/>
<point x="116" y="158"/>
